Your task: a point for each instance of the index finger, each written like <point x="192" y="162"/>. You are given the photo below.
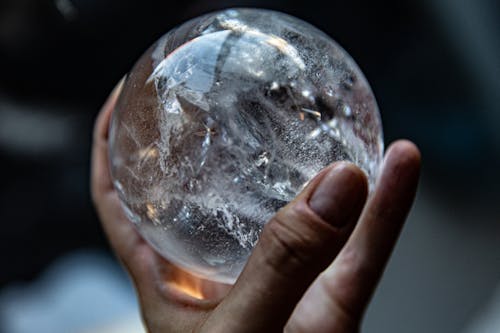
<point x="358" y="268"/>
<point x="348" y="284"/>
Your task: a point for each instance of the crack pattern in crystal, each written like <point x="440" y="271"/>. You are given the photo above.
<point x="223" y="121"/>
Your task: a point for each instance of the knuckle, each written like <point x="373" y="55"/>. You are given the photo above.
<point x="353" y="270"/>
<point x="354" y="279"/>
<point x="285" y="244"/>
<point x="292" y="242"/>
<point x="293" y="326"/>
<point x="353" y="261"/>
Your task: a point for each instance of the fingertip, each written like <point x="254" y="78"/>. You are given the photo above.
<point x="340" y="194"/>
<point x="353" y="174"/>
<point x="402" y="161"/>
<point x="351" y="170"/>
<point x="100" y="177"/>
<point x="405" y="151"/>
<point x="398" y="181"/>
<point x="357" y="177"/>
<point x="103" y="118"/>
<point x="115" y="93"/>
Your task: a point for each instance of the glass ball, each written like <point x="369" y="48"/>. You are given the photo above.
<point x="223" y="121"/>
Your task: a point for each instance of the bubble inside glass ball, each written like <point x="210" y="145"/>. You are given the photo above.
<point x="223" y="121"/>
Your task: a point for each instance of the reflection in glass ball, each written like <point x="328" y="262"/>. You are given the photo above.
<point x="223" y="121"/>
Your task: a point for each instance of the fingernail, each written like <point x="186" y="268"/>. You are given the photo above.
<point x="340" y="195"/>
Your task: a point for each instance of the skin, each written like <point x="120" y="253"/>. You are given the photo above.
<point x="314" y="269"/>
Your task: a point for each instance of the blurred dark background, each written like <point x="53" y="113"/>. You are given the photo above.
<point x="434" y="66"/>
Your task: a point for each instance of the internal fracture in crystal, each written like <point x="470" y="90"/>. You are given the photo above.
<point x="223" y="121"/>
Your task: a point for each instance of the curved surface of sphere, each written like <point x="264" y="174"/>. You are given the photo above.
<point x="223" y="121"/>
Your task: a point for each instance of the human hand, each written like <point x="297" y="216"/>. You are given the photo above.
<point x="314" y="268"/>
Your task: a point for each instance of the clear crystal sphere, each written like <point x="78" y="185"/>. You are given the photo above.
<point x="223" y="121"/>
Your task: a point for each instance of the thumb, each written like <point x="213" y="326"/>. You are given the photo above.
<point x="297" y="244"/>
